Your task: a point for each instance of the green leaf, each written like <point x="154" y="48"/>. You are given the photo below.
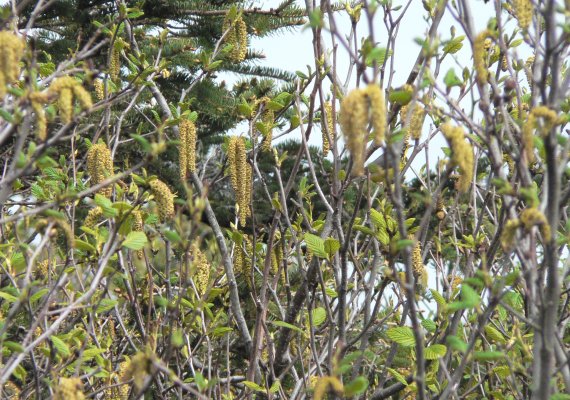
<point x="494" y="334"/>
<point x="253" y="386"/>
<point x="60" y="346"/>
<point x="84" y="246"/>
<point x="402" y="335"/>
<point x="172" y="236"/>
<point x="107" y="206"/>
<point x="316" y="245"/>
<point x="439" y="299"/>
<point x="454" y="45"/>
<point x="398" y="376"/>
<point x="200" y="381"/>
<point x="284" y="324"/>
<point x="377" y="54"/>
<point x="319" y="315"/>
<point x="503" y="371"/>
<point x="435" y="351"/>
<point x="429" y="325"/>
<point x="91" y="353"/>
<point x="105" y="305"/>
<point x="14" y="347"/>
<point x="401" y="97"/>
<point x="38" y="295"/>
<point x="356" y="387"/>
<point x="275" y="387"/>
<point x="451" y="79"/>
<point x="469" y="299"/>
<point x="456" y="344"/>
<point x="8" y="297"/>
<point x="331" y="246"/>
<point x="135" y="241"/>
<point x="488" y="355"/>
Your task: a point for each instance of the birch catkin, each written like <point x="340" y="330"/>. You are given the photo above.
<point x="11" y="51"/>
<point x="164" y="199"/>
<point x="240" y="176"/>
<point x="461" y="155"/>
<point x="100" y="166"/>
<point x="187" y="148"/>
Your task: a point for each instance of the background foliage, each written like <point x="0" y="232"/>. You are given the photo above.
<point x="126" y="271"/>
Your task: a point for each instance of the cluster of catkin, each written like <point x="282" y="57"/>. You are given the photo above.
<point x="201" y="268"/>
<point x="529" y="218"/>
<point x="329" y="132"/>
<point x="164" y="199"/>
<point x="461" y="154"/>
<point x="69" y="389"/>
<point x="549" y="119"/>
<point x="187" y="148"/>
<point x="360" y="109"/>
<point x="11" y="51"/>
<point x="100" y="166"/>
<point x="240" y="176"/>
<point x="236" y="36"/>
<point x="523" y="12"/>
<point x="480" y="46"/>
<point x="66" y="89"/>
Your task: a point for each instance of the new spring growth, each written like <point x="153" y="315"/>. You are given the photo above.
<point x="67" y="88"/>
<point x="100" y="166"/>
<point x="480" y="45"/>
<point x="529" y="65"/>
<point x="523" y="12"/>
<point x="267" y="119"/>
<point x="137" y="226"/>
<point x="237" y="37"/>
<point x="329" y="128"/>
<point x="201" y="268"/>
<point x="93" y="217"/>
<point x="164" y="199"/>
<point x="115" y="58"/>
<point x="11" y="51"/>
<point x="359" y="109"/>
<point x="240" y="175"/>
<point x="461" y="155"/>
<point x="540" y="117"/>
<point x="187" y="148"/>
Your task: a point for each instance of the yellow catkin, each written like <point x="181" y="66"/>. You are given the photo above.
<point x="99" y="89"/>
<point x="69" y="389"/>
<point x="416" y="122"/>
<point x="42" y="269"/>
<point x="164" y="199"/>
<point x="237" y="37"/>
<point x="240" y="176"/>
<point x="268" y="118"/>
<point x="529" y="65"/>
<point x="11" y="390"/>
<point x="534" y="217"/>
<point x="93" y="217"/>
<point x="378" y="118"/>
<point x="549" y="119"/>
<point x="480" y="56"/>
<point x="523" y="11"/>
<point x="115" y="61"/>
<point x="100" y="166"/>
<point x="67" y="88"/>
<point x="354" y="123"/>
<point x="509" y="233"/>
<point x="419" y="269"/>
<point x="242" y="259"/>
<point x="187" y="148"/>
<point x="326" y="383"/>
<point x="37" y="100"/>
<point x="201" y="269"/>
<point x="455" y="282"/>
<point x="329" y="128"/>
<point x="462" y="155"/>
<point x="11" y="51"/>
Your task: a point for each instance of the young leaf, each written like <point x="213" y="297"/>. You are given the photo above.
<point x="135" y="241"/>
<point x="356" y="387"/>
<point x="399" y="377"/>
<point x="402" y="335"/>
<point x="319" y="316"/>
<point x="316" y="245"/>
<point x="435" y="351"/>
